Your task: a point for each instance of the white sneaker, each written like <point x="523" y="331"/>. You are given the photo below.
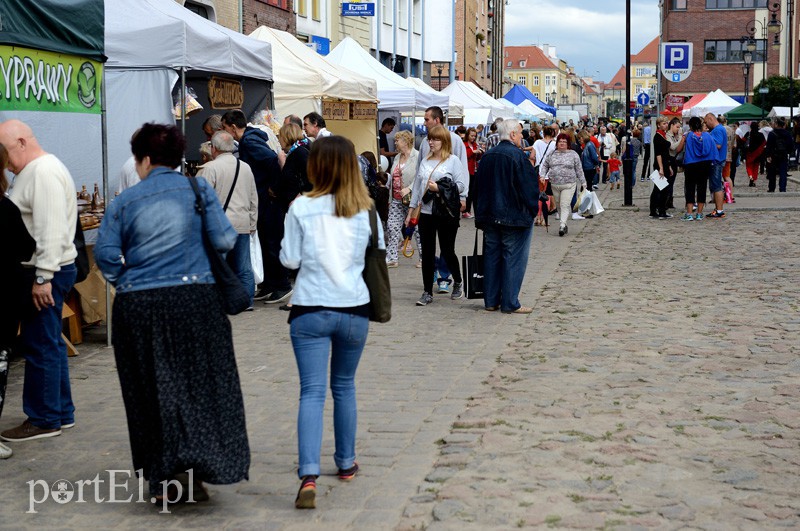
<point x="558" y="216"/>
<point x="5" y="451"/>
<point x="575" y="215"/>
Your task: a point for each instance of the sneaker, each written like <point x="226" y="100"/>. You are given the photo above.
<point x="687" y="217"/>
<point x="391" y="265"/>
<point x="521" y="310"/>
<point x="467" y="215"/>
<point x="248" y="309"/>
<point x="575" y="215"/>
<point x="278" y="296"/>
<point x="664" y="216"/>
<point x="28" y="432"/>
<point x="444" y="286"/>
<point x="717" y="214"/>
<point x="563" y="230"/>
<point x="595" y="187"/>
<point x="558" y="216"/>
<point x="262" y="294"/>
<point x="458" y="290"/>
<point x="641" y="179"/>
<point x="425" y="300"/>
<point x="307" y="495"/>
<point x="699" y="216"/>
<point x="349" y="474"/>
<point x="67" y="425"/>
<point x="5" y="451"/>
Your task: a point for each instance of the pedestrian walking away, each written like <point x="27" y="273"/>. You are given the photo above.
<point x="177" y="369"/>
<point x="327" y="233"/>
<point x="779" y="145"/>
<point x="505" y="181"/>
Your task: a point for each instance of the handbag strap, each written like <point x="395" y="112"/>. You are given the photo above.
<point x="373" y="227"/>
<point x="200" y="207"/>
<point x="475" y="249"/>
<point x="230" y="193"/>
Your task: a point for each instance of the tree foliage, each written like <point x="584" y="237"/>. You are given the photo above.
<point x="778" y="95"/>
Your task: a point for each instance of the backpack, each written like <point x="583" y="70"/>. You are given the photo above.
<point x="781" y="147"/>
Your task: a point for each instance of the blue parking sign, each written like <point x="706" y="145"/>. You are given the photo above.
<point x="676" y="60"/>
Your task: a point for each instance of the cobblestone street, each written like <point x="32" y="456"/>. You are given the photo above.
<point x="656" y="385"/>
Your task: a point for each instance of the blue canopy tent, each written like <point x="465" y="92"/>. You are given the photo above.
<point x="519" y="93"/>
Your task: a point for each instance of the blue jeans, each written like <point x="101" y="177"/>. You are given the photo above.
<point x="239" y="260"/>
<point x="780" y="170"/>
<point x="46" y="395"/>
<point x="505" y="257"/>
<point x="715" y="179"/>
<point x="314" y="336"/>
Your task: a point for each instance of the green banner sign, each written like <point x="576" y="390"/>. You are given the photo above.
<point x="36" y="80"/>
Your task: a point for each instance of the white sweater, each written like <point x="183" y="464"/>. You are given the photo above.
<point x="45" y="195"/>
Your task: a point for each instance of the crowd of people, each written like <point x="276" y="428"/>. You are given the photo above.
<point x="308" y="198"/>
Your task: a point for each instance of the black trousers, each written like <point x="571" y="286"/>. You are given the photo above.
<point x="270" y="234"/>
<point x="429" y="227"/>
<point x="658" y="201"/>
<point x="646" y="164"/>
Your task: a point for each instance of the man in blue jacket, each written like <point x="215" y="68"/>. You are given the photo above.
<point x="253" y="150"/>
<point x="506" y="204"/>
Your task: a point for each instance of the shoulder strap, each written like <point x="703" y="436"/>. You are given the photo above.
<point x="230" y="193"/>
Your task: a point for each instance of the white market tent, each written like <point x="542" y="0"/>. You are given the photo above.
<point x="394" y="92"/>
<point x="479" y="107"/>
<point x="519" y="112"/>
<point x="455" y="108"/>
<point x="533" y="110"/>
<point x="304" y="77"/>
<point x="717" y="102"/>
<point x="148" y="44"/>
<point x="783" y="111"/>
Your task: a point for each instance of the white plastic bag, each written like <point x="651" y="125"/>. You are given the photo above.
<point x="596" y="207"/>
<point x="585" y="201"/>
<point x="255" y="258"/>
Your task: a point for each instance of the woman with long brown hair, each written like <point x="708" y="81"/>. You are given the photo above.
<point x="18" y="246"/>
<point x="441" y="172"/>
<point x="326" y="236"/>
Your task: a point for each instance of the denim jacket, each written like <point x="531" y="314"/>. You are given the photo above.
<point x="151" y="234"/>
<point x="329" y="252"/>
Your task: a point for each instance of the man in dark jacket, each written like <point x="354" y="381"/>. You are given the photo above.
<point x="253" y="150"/>
<point x="779" y="144"/>
<point x="506" y="204"/>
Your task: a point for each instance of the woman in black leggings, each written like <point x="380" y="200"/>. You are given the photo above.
<point x="700" y="149"/>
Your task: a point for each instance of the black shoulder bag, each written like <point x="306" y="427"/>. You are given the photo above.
<point x="234" y="296"/>
<point x="376" y="275"/>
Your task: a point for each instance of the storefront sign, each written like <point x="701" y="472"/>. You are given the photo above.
<point x="363" y="111"/>
<point x="335" y="110"/>
<point x="225" y="93"/>
<point x="359" y="9"/>
<point x="36" y="80"/>
<point x="674" y="104"/>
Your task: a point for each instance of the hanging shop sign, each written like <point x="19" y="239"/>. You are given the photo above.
<point x="363" y="111"/>
<point x="225" y="93"/>
<point x="335" y="110"/>
<point x="37" y="80"/>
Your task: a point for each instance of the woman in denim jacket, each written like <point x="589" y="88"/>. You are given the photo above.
<point x="326" y="236"/>
<point x="172" y="339"/>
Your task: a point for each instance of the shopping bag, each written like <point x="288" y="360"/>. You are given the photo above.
<point x="472" y="271"/>
<point x="256" y="260"/>
<point x="596" y="207"/>
<point x="585" y="201"/>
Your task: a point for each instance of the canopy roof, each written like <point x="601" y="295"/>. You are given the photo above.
<point x="746" y="111"/>
<point x="694" y="100"/>
<point x="783" y="111"/>
<point x="303" y="74"/>
<point x="532" y="109"/>
<point x="162" y="33"/>
<point x="73" y="27"/>
<point x="394" y="92"/>
<point x="717" y="102"/>
<point x="474" y="99"/>
<point x="520" y="92"/>
<point x="456" y="109"/>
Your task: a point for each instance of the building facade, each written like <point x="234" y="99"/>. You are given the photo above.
<point x="540" y="71"/>
<point x="718" y="29"/>
<point x="245" y="15"/>
<point x="471" y="43"/>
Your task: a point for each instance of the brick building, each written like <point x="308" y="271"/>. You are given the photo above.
<point x="278" y="14"/>
<point x="716" y="28"/>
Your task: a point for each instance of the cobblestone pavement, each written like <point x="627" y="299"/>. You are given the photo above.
<point x="654" y="386"/>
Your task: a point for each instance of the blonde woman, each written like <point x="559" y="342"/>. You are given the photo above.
<point x="326" y="235"/>
<point x="438" y="165"/>
<point x="400" y="181"/>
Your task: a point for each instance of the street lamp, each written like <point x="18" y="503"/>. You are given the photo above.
<point x="439" y="77"/>
<point x="564" y="99"/>
<point x="553" y="96"/>
<point x="748" y="59"/>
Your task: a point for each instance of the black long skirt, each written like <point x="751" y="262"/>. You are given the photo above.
<point x="180" y="385"/>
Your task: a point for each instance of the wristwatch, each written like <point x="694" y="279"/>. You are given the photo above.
<point x="40" y="280"/>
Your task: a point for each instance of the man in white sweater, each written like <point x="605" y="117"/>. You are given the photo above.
<point x="235" y="185"/>
<point x="44" y="192"/>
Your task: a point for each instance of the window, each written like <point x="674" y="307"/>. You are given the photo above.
<point x="522" y="64"/>
<point x="637" y="88"/>
<point x="302" y="8"/>
<point x="645" y="71"/>
<point x="280" y="4"/>
<point x="402" y="14"/>
<point x="731" y="51"/>
<point x="417" y="16"/>
<point x="523" y="80"/>
<point x="315" y="9"/>
<point x="535" y="81"/>
<point x="735" y="4"/>
<point x="388" y="14"/>
<point x="678" y="5"/>
<point x="509" y="63"/>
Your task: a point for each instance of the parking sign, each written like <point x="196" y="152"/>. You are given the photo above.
<point x="676" y="60"/>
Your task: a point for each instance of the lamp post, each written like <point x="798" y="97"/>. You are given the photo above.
<point x="748" y="60"/>
<point x="750" y="44"/>
<point x="564" y="99"/>
<point x="439" y="77"/>
<point x="774" y="26"/>
<point x="553" y="96"/>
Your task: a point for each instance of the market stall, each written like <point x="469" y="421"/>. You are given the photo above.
<point x="783" y="112"/>
<point x="307" y="82"/>
<point x="717" y="102"/>
<point x="745" y="112"/>
<point x="479" y="107"/>
<point x="519" y="93"/>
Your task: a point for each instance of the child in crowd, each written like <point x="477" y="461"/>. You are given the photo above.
<point x="613" y="168"/>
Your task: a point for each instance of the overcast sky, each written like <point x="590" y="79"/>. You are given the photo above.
<point x="588" y="34"/>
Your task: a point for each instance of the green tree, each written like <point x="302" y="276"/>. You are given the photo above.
<point x="778" y="95"/>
